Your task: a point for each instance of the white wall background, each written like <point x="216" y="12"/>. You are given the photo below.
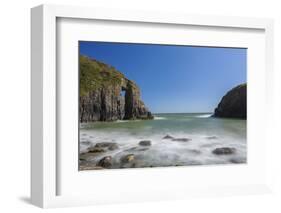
<point x="15" y="104"/>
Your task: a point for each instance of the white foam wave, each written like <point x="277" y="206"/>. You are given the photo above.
<point x="204" y="116"/>
<point x="159" y="118"/>
<point x="125" y="121"/>
<point x="164" y="152"/>
<point x="122" y="121"/>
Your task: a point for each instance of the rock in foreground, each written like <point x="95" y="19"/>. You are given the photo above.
<point x="109" y="145"/>
<point x="224" y="151"/>
<point x="233" y="104"/>
<point x="127" y="158"/>
<point x="95" y="150"/>
<point x="168" y="137"/>
<point x="181" y="139"/>
<point x="105" y="162"/>
<point x="145" y="143"/>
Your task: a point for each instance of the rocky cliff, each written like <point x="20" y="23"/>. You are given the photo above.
<point x="233" y="104"/>
<point x="107" y="95"/>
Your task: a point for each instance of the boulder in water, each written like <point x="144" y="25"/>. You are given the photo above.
<point x="109" y="145"/>
<point x="113" y="147"/>
<point x="224" y="151"/>
<point x="105" y="162"/>
<point x="168" y="137"/>
<point x="95" y="149"/>
<point x="127" y="158"/>
<point x="181" y="139"/>
<point x="145" y="143"/>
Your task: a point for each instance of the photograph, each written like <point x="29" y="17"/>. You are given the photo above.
<point x="161" y="105"/>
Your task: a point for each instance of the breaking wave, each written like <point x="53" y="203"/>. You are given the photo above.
<point x="204" y="116"/>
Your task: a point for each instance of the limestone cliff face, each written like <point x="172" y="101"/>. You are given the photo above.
<point x="107" y="95"/>
<point x="233" y="104"/>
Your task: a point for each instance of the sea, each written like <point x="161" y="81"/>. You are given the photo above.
<point x="204" y="133"/>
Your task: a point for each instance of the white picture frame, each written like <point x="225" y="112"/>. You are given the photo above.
<point x="45" y="169"/>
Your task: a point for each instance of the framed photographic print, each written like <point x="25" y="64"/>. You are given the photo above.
<point x="176" y="121"/>
<point x="149" y="106"/>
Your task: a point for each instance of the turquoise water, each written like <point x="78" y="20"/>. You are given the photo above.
<point x="206" y="134"/>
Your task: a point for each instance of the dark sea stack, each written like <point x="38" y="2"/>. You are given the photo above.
<point x="233" y="104"/>
<point x="107" y="95"/>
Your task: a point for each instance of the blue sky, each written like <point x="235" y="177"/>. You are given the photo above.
<point x="173" y="78"/>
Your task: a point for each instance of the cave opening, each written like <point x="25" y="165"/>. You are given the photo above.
<point x="124" y="104"/>
<point x="123" y="93"/>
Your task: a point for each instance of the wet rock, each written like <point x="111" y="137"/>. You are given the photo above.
<point x="181" y="139"/>
<point x="95" y="149"/>
<point x="224" y="151"/>
<point x="127" y="158"/>
<point x="168" y="137"/>
<point x="103" y="147"/>
<point x="113" y="147"/>
<point x="109" y="145"/>
<point x="89" y="156"/>
<point x="212" y="137"/>
<point x="105" y="162"/>
<point x="145" y="143"/>
<point x="104" y="144"/>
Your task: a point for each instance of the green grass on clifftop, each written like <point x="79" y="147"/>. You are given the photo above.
<point x="95" y="75"/>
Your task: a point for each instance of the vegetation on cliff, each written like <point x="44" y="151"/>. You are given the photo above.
<point x="95" y="75"/>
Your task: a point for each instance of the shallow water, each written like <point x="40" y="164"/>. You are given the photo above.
<point x="206" y="134"/>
